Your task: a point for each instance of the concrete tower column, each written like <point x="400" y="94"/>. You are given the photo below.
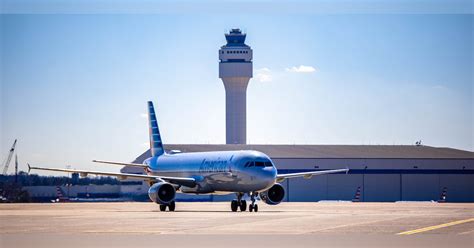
<point x="236" y="109"/>
<point x="235" y="70"/>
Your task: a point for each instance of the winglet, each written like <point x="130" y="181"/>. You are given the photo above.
<point x="347" y="170"/>
<point x="29" y="168"/>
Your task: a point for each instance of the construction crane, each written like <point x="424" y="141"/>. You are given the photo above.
<point x="9" y="158"/>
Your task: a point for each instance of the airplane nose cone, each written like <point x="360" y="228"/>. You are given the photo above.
<point x="269" y="174"/>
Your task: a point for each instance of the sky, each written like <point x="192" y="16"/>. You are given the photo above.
<point x="74" y="86"/>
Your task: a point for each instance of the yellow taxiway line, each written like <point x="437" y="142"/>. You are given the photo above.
<point x="425" y="229"/>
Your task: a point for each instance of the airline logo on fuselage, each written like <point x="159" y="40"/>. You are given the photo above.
<point x="214" y="166"/>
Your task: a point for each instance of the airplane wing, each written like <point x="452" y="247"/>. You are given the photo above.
<point x="308" y="174"/>
<point x="185" y="181"/>
<point x="120" y="163"/>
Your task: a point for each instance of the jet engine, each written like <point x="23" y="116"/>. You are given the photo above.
<point x="273" y="195"/>
<point x="162" y="193"/>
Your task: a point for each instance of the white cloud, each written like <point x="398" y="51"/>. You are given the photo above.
<point x="301" y="68"/>
<point x="263" y="75"/>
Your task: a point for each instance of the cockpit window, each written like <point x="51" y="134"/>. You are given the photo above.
<point x="259" y="164"/>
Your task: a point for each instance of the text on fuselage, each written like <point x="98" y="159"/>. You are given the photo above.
<point x="214" y="166"/>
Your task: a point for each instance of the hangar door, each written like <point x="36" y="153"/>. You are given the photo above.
<point x="459" y="188"/>
<point x="307" y="190"/>
<point x="343" y="186"/>
<point x="420" y="187"/>
<point x="381" y="187"/>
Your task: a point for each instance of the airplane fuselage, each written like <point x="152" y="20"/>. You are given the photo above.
<point x="217" y="172"/>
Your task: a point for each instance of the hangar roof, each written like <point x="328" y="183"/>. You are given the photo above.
<point x="332" y="151"/>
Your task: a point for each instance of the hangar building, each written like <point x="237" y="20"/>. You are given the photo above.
<point x="382" y="173"/>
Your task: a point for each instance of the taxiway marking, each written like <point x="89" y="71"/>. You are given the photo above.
<point x="429" y="228"/>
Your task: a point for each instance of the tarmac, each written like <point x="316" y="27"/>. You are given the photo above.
<point x="323" y="224"/>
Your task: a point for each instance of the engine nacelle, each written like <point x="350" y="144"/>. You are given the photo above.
<point x="273" y="195"/>
<point x="162" y="193"/>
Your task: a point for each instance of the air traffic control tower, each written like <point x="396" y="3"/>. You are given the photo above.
<point x="235" y="70"/>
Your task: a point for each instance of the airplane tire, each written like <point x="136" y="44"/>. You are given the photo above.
<point x="234" y="205"/>
<point x="162" y="208"/>
<point x="255" y="208"/>
<point x="250" y="207"/>
<point x="243" y="205"/>
<point x="172" y="206"/>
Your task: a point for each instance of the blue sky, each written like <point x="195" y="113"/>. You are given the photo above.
<point x="74" y="86"/>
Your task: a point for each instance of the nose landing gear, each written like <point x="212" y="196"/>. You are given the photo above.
<point x="241" y="204"/>
<point x="253" y="206"/>
<point x="171" y="206"/>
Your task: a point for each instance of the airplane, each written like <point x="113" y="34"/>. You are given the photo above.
<point x="216" y="172"/>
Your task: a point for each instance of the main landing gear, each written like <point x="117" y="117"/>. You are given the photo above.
<point x="241" y="204"/>
<point x="238" y="203"/>
<point x="171" y="206"/>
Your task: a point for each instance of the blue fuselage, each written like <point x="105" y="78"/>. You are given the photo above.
<point x="217" y="172"/>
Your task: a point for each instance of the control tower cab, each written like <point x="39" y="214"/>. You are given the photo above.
<point x="235" y="70"/>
